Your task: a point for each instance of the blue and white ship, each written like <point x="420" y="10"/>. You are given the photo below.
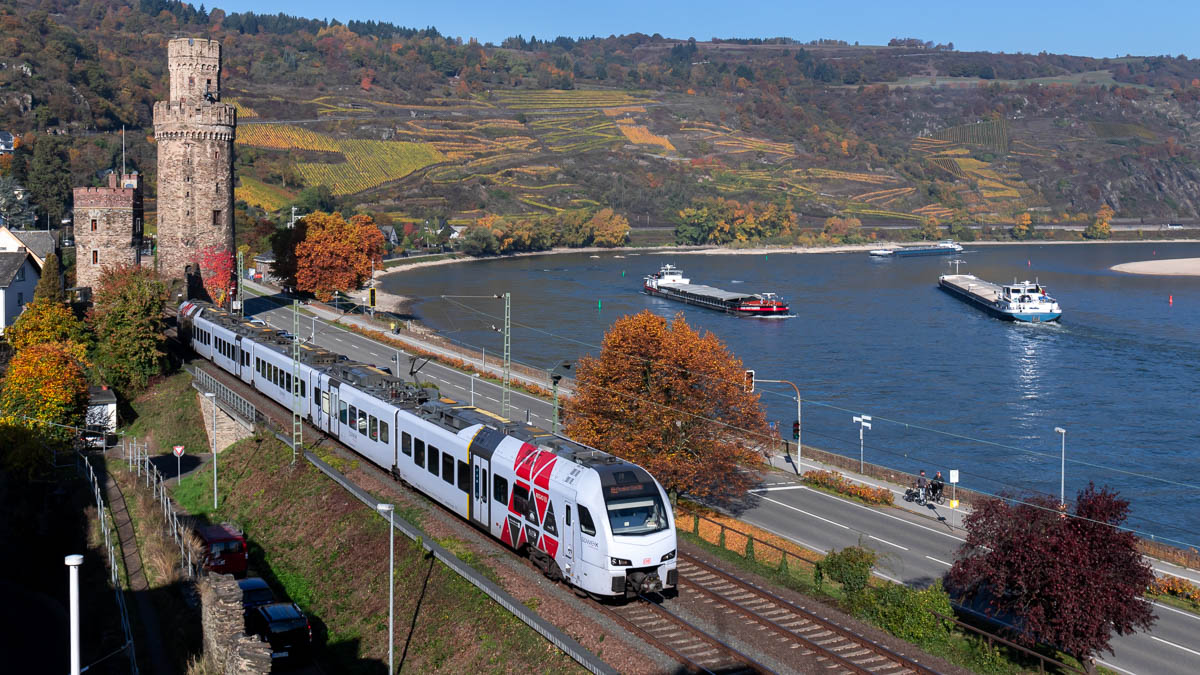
<point x="944" y="247"/>
<point x="1018" y="301"/>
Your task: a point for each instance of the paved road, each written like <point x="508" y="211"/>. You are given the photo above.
<point x="914" y="548"/>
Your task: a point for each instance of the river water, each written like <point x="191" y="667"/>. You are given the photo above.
<point x="948" y="386"/>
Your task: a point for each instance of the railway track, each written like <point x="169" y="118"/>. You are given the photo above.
<point x="803" y="635"/>
<point x="696" y="650"/>
<point x="809" y="636"/>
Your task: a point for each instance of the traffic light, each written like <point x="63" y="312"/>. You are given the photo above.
<point x="371" y="295"/>
<point x="749" y="381"/>
<point x="796" y="430"/>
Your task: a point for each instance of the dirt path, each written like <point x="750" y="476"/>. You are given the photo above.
<point x="151" y="643"/>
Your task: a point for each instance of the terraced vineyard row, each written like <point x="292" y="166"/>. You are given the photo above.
<point x="262" y="195"/>
<point x="285" y="137"/>
<point x="990" y="134"/>
<point x="368" y="164"/>
<point x="568" y="98"/>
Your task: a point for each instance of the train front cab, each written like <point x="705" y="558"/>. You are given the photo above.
<point x="625" y="532"/>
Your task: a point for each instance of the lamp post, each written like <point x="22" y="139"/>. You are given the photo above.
<point x="863" y="422"/>
<point x="212" y="400"/>
<point x="799" y="440"/>
<point x="390" y="509"/>
<point x="1062" y="477"/>
<point x="73" y="562"/>
<point x="474" y="377"/>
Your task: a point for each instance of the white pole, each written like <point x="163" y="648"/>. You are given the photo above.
<point x="1062" y="476"/>
<point x="390" y="510"/>
<point x="212" y="399"/>
<point x="73" y="562"/>
<point x="799" y="438"/>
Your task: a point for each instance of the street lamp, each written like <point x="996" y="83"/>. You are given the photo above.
<point x="473" y="378"/>
<point x="390" y="510"/>
<point x="863" y="422"/>
<point x="73" y="562"/>
<point x="1062" y="477"/>
<point x="799" y="447"/>
<point x="557" y="373"/>
<point x="212" y="400"/>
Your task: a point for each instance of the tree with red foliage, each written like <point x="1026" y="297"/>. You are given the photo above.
<point x="1069" y="582"/>
<point x="216" y="271"/>
<point x="337" y="255"/>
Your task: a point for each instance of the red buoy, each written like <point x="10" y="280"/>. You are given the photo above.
<point x="1170" y="299"/>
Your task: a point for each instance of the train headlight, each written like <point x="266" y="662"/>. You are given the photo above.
<point x="669" y="556"/>
<point x="620" y="562"/>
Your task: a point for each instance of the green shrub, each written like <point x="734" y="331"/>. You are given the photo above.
<point x="850" y="567"/>
<point x="906" y="612"/>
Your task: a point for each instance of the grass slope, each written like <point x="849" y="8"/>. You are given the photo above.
<point x="328" y="552"/>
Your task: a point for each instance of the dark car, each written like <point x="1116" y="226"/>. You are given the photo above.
<point x="255" y="593"/>
<point x="284" y="627"/>
<point x="224" y="549"/>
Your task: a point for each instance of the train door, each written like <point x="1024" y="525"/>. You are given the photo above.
<point x="334" y="406"/>
<point x="480" y="504"/>
<point x="570" y="538"/>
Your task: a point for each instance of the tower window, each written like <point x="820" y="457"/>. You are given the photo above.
<point x="93" y="224"/>
<point x="191" y="82"/>
<point x="217" y="218"/>
<point x="95" y="257"/>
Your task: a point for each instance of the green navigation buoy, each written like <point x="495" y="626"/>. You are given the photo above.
<point x="599" y="305"/>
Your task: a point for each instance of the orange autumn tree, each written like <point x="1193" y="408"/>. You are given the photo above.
<point x="336" y="254"/>
<point x="671" y="399"/>
<point x="46" y="320"/>
<point x="609" y="228"/>
<point x="46" y="383"/>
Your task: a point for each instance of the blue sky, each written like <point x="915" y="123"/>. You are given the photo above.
<point x="1099" y="28"/>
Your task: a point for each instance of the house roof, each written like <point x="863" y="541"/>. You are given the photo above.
<point x="40" y="243"/>
<point x="387" y="230"/>
<point x="6" y="138"/>
<point x="10" y="262"/>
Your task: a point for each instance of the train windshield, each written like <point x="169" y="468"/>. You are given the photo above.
<point x="637" y="515"/>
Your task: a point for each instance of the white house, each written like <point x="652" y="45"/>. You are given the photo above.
<point x="18" y="279"/>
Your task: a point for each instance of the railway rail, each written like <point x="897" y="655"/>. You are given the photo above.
<point x="836" y="648"/>
<point x="803" y="634"/>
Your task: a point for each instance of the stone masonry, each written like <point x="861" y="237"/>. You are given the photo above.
<point x="227" y="648"/>
<point x="108" y="227"/>
<point x="194" y="132"/>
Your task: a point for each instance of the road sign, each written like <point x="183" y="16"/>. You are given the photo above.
<point x="953" y="475"/>
<point x="178" y="449"/>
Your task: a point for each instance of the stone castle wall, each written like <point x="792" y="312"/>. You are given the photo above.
<point x="195" y="138"/>
<point x="226" y="646"/>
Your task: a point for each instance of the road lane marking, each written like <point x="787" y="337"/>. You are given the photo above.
<point x="886" y="515"/>
<point x="902" y="548"/>
<point x="812" y="515"/>
<point x="1167" y="642"/>
<point x="1177" y="611"/>
<point x="1109" y="665"/>
<point x="943" y="562"/>
<point x="772" y="489"/>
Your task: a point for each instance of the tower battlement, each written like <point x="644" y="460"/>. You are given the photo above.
<point x="108" y="226"/>
<point x="172" y="114"/>
<point x="195" y="68"/>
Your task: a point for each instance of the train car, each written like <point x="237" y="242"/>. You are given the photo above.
<point x="583" y="516"/>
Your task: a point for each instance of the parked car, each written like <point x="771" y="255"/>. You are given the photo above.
<point x="255" y="593"/>
<point x="224" y="549"/>
<point x="284" y="627"/>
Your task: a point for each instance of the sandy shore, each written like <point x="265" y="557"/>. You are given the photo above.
<point x="1176" y="267"/>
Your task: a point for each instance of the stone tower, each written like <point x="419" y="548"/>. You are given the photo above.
<point x="194" y="132"/>
<point x="108" y="227"/>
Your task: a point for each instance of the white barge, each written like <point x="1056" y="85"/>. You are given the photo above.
<point x="1018" y="301"/>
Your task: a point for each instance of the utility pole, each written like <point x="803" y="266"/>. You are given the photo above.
<point x="297" y="424"/>
<point x="505" y="395"/>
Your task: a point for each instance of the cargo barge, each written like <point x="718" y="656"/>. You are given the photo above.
<point x="669" y="283"/>
<point x="1018" y="301"/>
<point x="944" y="247"/>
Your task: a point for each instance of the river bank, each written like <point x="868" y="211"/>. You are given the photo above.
<point x="1173" y="267"/>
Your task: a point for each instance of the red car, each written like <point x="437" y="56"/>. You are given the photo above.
<point x="224" y="549"/>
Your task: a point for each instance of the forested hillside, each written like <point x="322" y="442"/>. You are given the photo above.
<point x="725" y="140"/>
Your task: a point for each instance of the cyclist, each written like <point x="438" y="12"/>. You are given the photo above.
<point x="921" y="487"/>
<point x="935" y="486"/>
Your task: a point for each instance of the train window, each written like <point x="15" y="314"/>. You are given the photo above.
<point x="464" y="477"/>
<point x="448" y="468"/>
<point x="520" y="498"/>
<point x="483" y="486"/>
<point x="568" y="515"/>
<point x="373" y="429"/>
<point x="433" y="460"/>
<point x="499" y="489"/>
<point x="549" y="526"/>
<point x="342" y="411"/>
<point x="303" y="389"/>
<point x="585" y="522"/>
<point x="353" y="417"/>
<point x="383" y="431"/>
<point x="287" y="379"/>
<point x="362" y="422"/>
<point x="405" y="443"/>
<point x="325" y="402"/>
<point x="419" y="452"/>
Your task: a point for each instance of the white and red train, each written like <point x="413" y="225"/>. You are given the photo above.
<point x="581" y="515"/>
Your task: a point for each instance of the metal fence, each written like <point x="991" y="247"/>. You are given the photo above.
<point x="179" y="527"/>
<point x="227" y="399"/>
<point x="85" y="468"/>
